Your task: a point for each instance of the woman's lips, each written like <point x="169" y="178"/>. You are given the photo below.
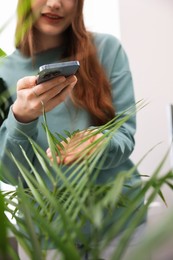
<point x="52" y="17"/>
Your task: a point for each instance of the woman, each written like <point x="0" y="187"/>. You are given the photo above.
<point x="101" y="89"/>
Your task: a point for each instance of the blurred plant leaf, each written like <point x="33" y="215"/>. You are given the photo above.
<point x="3" y="233"/>
<point x="2" y="53"/>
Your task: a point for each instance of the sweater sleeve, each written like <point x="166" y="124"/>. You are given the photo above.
<point x="119" y="74"/>
<point x="12" y="139"/>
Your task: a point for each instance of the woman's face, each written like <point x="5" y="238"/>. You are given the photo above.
<point x="53" y="17"/>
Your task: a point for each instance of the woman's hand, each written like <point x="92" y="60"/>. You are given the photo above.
<point x="31" y="98"/>
<point x="76" y="147"/>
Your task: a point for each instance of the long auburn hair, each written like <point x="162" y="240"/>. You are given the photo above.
<point x="92" y="91"/>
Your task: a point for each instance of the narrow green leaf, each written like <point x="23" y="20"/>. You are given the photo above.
<point x="3" y="228"/>
<point x="2" y="53"/>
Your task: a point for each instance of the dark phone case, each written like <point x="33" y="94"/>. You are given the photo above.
<point x="49" y="71"/>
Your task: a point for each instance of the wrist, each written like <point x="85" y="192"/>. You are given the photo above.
<point x="20" y="116"/>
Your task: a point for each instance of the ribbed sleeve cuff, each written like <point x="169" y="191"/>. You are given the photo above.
<point x="19" y="130"/>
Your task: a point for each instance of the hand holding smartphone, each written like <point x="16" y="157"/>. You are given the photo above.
<point x="50" y="71"/>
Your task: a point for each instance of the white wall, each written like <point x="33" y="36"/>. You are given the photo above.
<point x="7" y="13"/>
<point x="147" y="35"/>
<point x="102" y="16"/>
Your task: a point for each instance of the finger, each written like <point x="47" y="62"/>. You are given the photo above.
<point x="48" y="152"/>
<point x="55" y="83"/>
<point x="49" y="155"/>
<point x="58" y="160"/>
<point x="68" y="160"/>
<point x="57" y="92"/>
<point x="26" y="82"/>
<point x="35" y="92"/>
<point x="59" y="98"/>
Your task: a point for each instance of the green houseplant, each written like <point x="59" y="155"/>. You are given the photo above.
<point x="74" y="204"/>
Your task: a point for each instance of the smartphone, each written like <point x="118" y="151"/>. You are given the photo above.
<point x="50" y="71"/>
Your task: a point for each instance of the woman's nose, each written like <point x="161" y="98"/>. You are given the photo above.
<point x="53" y="3"/>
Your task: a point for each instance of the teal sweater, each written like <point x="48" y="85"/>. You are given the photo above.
<point x="66" y="116"/>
